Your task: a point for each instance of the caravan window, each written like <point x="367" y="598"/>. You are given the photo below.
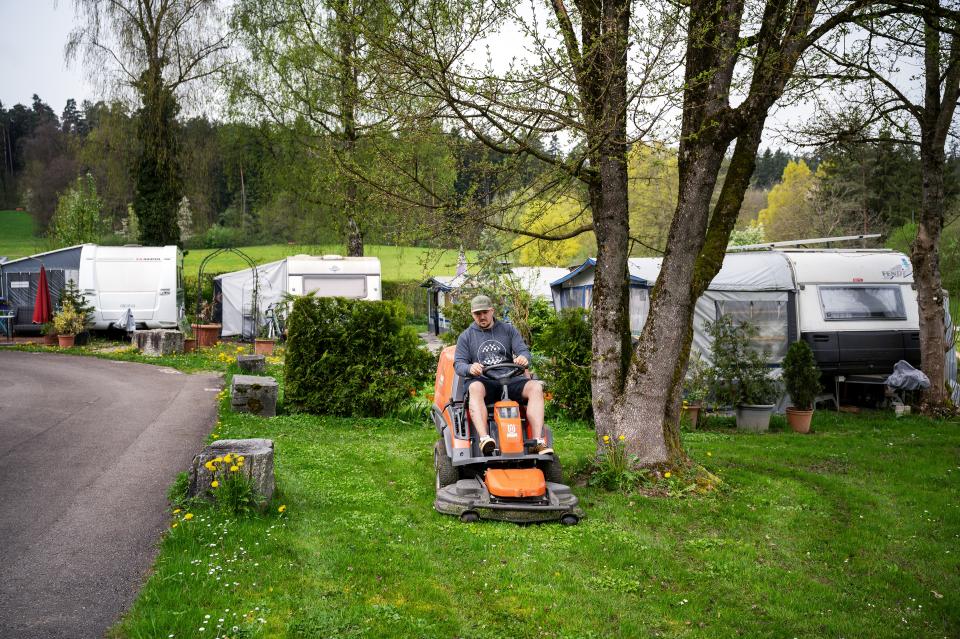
<point x="770" y="318"/>
<point x="341" y="286"/>
<point x="848" y="303"/>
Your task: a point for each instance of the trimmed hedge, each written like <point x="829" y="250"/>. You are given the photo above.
<point x="352" y="358"/>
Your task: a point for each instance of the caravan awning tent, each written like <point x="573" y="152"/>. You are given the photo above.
<point x="750" y="286"/>
<point x="237" y="292"/>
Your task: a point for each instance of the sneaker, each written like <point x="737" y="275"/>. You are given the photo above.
<point x="541" y="448"/>
<point x="487" y="446"/>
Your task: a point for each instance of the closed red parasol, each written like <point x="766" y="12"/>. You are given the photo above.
<point x="41" y="308"/>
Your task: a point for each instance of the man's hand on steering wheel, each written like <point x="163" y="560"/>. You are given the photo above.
<point x="520" y="360"/>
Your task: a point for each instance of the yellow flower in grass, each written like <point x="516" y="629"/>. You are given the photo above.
<point x="188" y="517"/>
<point x="217" y="460"/>
<point x="175" y="524"/>
<point x="240" y="458"/>
<point x="606" y="439"/>
<point x="215" y="484"/>
<point x="176" y="511"/>
<point x="282" y="508"/>
<point x="228" y="458"/>
<point x="621" y="438"/>
<point x="210" y="466"/>
<point x="234" y="469"/>
<point x="666" y="475"/>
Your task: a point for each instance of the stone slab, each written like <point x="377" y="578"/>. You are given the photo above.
<point x="254" y="394"/>
<point x="252" y="363"/>
<point x="156" y="342"/>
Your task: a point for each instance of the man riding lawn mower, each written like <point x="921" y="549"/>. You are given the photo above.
<point x="494" y="460"/>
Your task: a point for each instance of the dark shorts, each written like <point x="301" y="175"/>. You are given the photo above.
<point x="495" y="389"/>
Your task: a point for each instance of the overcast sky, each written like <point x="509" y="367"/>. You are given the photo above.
<point x="31" y="50"/>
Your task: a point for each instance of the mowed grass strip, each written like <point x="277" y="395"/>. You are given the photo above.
<point x="850" y="532"/>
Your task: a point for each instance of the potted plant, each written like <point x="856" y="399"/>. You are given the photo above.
<point x="802" y="380"/>
<point x="207" y="333"/>
<point x="71" y="295"/>
<point x="695" y="388"/>
<point x="68" y="322"/>
<point x="263" y="344"/>
<point x="49" y="333"/>
<point x="189" y="340"/>
<point x="739" y="376"/>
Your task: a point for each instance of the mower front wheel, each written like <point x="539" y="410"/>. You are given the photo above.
<point x="552" y="470"/>
<point x="446" y="473"/>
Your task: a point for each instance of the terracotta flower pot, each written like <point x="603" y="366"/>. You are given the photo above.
<point x="207" y="334"/>
<point x="263" y="346"/>
<point x="693" y="410"/>
<point x="799" y="420"/>
<point x="66" y="341"/>
<point x="189" y="344"/>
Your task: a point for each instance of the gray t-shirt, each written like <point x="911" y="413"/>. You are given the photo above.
<point x="499" y="343"/>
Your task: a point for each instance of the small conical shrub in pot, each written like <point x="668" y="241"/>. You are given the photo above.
<point x="802" y="379"/>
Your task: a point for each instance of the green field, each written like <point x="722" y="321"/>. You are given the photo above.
<point x="17" y="235"/>
<point x="397" y="263"/>
<point x="850" y="532"/>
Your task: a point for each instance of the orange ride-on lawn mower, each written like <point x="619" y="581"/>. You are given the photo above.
<point x="514" y="484"/>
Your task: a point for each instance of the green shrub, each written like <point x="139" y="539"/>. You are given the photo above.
<point x="739" y="374"/>
<point x="528" y="314"/>
<point x="801" y="375"/>
<point x="190" y="290"/>
<point x="564" y="347"/>
<point x="352" y="358"/>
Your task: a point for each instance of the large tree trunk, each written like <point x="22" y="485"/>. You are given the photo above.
<point x="605" y="42"/>
<point x="925" y="255"/>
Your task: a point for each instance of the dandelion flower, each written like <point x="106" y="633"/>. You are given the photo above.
<point x="282" y="508"/>
<point x="234" y="469"/>
<point x="228" y="458"/>
<point x="175" y="524"/>
<point x="215" y="483"/>
<point x="217" y="460"/>
<point x="606" y="439"/>
<point x="666" y="475"/>
<point x="621" y="438"/>
<point x="188" y="517"/>
<point x="240" y="458"/>
<point x="176" y="511"/>
<point x="709" y="454"/>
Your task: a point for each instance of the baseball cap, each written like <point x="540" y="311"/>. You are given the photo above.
<point x="480" y="303"/>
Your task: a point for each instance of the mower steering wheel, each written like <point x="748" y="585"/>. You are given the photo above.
<point x="509" y="370"/>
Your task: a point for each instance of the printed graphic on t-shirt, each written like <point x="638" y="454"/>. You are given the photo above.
<point x="492" y="352"/>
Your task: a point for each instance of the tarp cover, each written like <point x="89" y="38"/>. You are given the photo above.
<point x="237" y="290"/>
<point x="759" y="271"/>
<point x="906" y="377"/>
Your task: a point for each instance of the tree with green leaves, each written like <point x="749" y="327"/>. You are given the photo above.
<point x="77" y="220"/>
<point x="154" y="48"/>
<point x="738" y="58"/>
<point x="883" y="107"/>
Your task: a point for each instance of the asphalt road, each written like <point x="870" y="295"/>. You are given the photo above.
<point x="88" y="448"/>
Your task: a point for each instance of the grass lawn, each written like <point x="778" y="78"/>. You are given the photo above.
<point x="396" y="262"/>
<point x="853" y="531"/>
<point x="16" y="235"/>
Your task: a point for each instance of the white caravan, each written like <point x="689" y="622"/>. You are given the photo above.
<point x="323" y="276"/>
<point x="144" y="281"/>
<point x="856" y="308"/>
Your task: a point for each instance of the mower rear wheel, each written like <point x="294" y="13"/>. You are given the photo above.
<point x="446" y="473"/>
<point x="552" y="470"/>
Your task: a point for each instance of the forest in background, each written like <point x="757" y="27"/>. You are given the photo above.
<point x="255" y="184"/>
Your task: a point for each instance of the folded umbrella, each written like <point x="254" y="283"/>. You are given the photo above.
<point x="42" y="311"/>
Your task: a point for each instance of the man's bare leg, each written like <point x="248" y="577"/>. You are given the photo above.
<point x="533" y="393"/>
<point x="478" y="407"/>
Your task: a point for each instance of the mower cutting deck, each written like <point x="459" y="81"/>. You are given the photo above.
<point x="514" y="483"/>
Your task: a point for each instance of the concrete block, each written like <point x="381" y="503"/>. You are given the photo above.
<point x="252" y="363"/>
<point x="254" y="394"/>
<point x="156" y="342"/>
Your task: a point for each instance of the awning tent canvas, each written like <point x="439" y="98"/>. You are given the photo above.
<point x="750" y="286"/>
<point x="237" y="296"/>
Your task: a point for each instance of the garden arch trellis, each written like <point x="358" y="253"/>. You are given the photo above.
<point x="254" y="310"/>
